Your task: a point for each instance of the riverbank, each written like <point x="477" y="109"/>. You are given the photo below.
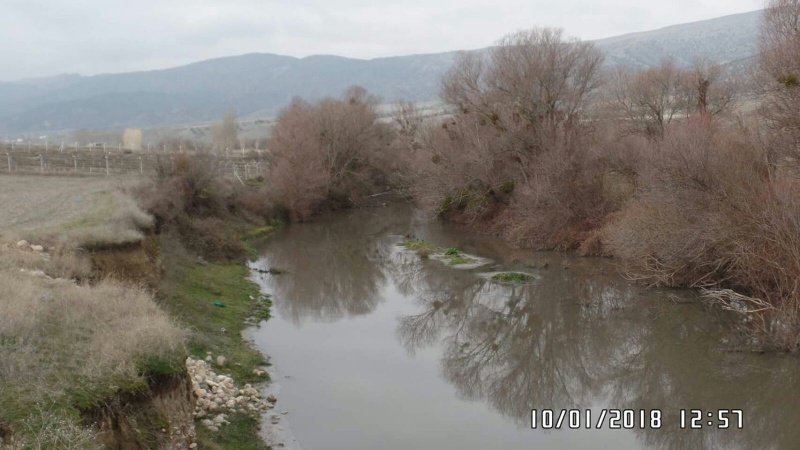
<point x="104" y="305"/>
<point x="216" y="301"/>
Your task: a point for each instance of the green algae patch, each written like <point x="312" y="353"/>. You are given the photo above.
<point x="512" y="277"/>
<point x="451" y="256"/>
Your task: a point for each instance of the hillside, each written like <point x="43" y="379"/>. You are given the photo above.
<point x="257" y="85"/>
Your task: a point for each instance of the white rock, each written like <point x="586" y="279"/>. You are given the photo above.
<point x="221" y="361"/>
<point x="37" y="248"/>
<point x="23" y="244"/>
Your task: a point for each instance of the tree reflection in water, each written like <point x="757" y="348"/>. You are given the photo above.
<point x="578" y="338"/>
<point x="572" y="340"/>
<point x="338" y="265"/>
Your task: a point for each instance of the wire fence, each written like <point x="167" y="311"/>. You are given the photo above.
<point x="241" y="164"/>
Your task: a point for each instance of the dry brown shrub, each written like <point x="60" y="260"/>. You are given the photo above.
<point x="184" y="185"/>
<point x="712" y="212"/>
<point x="780" y="65"/>
<point x="186" y="195"/>
<point x="675" y="231"/>
<point x="321" y="153"/>
<point x="518" y="157"/>
<point x="211" y="238"/>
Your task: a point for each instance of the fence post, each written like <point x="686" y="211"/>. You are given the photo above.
<point x="45" y="146"/>
<point x="140" y="166"/>
<point x="106" y="164"/>
<point x="41" y="163"/>
<point x="8" y="155"/>
<point x="75" y="160"/>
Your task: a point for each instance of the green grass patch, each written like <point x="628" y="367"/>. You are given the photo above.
<point x="418" y="244"/>
<point x="258" y="232"/>
<point x="458" y="260"/>
<point x="512" y="277"/>
<point x="190" y="292"/>
<point x="452" y="255"/>
<point x="240" y="434"/>
<point x="159" y="366"/>
<point x="103" y="206"/>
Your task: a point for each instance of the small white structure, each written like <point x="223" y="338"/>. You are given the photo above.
<point x="132" y="138"/>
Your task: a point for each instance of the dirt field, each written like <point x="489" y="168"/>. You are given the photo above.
<point x="36" y="203"/>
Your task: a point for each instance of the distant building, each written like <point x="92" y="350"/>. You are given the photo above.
<point x="132" y="138"/>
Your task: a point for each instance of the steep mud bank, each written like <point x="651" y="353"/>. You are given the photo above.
<point x="159" y="417"/>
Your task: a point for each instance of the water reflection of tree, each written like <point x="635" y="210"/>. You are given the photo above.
<point x="336" y="266"/>
<point x="571" y="342"/>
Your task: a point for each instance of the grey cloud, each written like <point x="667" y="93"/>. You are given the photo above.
<point x="94" y="36"/>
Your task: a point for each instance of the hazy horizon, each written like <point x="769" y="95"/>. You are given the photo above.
<point x="121" y="37"/>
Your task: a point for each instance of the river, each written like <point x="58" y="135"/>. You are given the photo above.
<point x="375" y="348"/>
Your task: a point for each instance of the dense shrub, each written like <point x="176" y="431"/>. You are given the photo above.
<point x="186" y="195"/>
<point x="212" y="238"/>
<point x="714" y="210"/>
<point x="321" y="154"/>
<point x="516" y="157"/>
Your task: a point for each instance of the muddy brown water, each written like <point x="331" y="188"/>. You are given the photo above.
<point x="375" y="348"/>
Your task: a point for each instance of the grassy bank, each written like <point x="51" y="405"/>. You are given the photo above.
<point x="99" y="312"/>
<point x="216" y="301"/>
<point x="74" y="340"/>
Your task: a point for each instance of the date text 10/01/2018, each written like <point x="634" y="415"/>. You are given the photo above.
<point x="629" y="419"/>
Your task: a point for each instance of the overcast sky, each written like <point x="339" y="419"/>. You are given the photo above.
<point x="47" y="37"/>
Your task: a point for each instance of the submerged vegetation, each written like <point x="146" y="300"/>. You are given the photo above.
<point x="450" y="255"/>
<point x="512" y="277"/>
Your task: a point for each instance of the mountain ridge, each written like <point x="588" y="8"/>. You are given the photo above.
<point x="261" y="83"/>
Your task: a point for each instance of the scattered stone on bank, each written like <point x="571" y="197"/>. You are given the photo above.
<point x="217" y="395"/>
<point x="28" y="247"/>
<point x="35" y="273"/>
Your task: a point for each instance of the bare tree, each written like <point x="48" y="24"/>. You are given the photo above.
<point x="653" y="98"/>
<point x="709" y="92"/>
<point x="538" y="76"/>
<point x="650" y="99"/>
<point x="780" y="63"/>
<point x="516" y="149"/>
<point x="321" y="151"/>
<point x="224" y="133"/>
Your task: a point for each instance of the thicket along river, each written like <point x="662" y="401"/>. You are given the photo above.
<point x="374" y="347"/>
